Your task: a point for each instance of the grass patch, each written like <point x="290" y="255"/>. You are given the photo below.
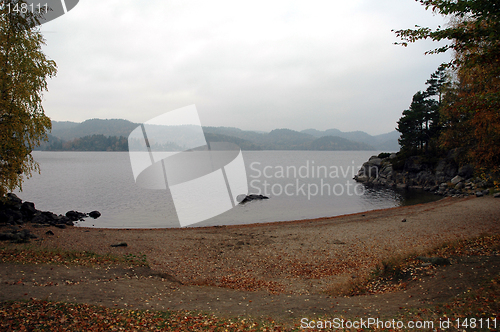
<point x="30" y="255"/>
<point x="396" y="272"/>
<point x="478" y="310"/>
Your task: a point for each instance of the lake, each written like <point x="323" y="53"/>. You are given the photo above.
<point x="300" y="185"/>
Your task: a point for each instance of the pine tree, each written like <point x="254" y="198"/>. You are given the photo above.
<point x="420" y="124"/>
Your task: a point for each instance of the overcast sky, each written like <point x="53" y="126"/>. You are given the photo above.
<point x="255" y="65"/>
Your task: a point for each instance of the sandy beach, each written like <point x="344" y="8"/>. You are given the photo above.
<point x="280" y="271"/>
<point x="300" y="257"/>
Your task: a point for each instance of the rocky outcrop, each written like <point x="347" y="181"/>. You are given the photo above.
<point x="13" y="211"/>
<point x="17" y="236"/>
<point x="445" y="177"/>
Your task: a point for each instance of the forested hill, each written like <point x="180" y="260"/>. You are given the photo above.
<point x="111" y="135"/>
<point x="70" y="130"/>
<point x="386" y="142"/>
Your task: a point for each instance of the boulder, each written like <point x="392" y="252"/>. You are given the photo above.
<point x="361" y="178"/>
<point x="11" y="216"/>
<point x="446" y="168"/>
<point x="75" y="215"/>
<point x="375" y="161"/>
<point x="386" y="169"/>
<point x="497" y="195"/>
<point x="94" y="214"/>
<point x="253" y="197"/>
<point x="479" y="194"/>
<point x="13" y="201"/>
<point x="456" y="179"/>
<point x="466" y="171"/>
<point x="28" y="208"/>
<point x="40" y="219"/>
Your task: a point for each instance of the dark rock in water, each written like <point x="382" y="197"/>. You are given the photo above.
<point x="404" y="220"/>
<point x="479" y="194"/>
<point x="253" y="197"/>
<point x="121" y="244"/>
<point x="94" y="214"/>
<point x="497" y="195"/>
<point x="75" y="215"/>
<point x="14" y="212"/>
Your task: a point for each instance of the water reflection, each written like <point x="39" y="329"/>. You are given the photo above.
<point x="401" y="197"/>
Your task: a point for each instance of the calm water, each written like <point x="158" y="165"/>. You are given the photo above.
<point x="300" y="184"/>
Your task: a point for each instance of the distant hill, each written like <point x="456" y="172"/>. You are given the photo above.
<point x="242" y="143"/>
<point x="110" y="135"/>
<point x="71" y="130"/>
<point x="287" y="139"/>
<point x="385" y="142"/>
<point x="335" y="143"/>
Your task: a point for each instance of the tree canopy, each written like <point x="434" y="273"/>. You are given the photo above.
<point x="24" y="70"/>
<point x="420" y="124"/>
<point x="474" y="25"/>
<point x="470" y="105"/>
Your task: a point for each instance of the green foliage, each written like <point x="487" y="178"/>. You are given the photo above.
<point x="24" y="70"/>
<point x="384" y="155"/>
<point x="139" y="259"/>
<point x="96" y="143"/>
<point x="478" y="27"/>
<point x="420" y="124"/>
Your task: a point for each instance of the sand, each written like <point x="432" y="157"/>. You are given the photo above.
<point x="300" y="257"/>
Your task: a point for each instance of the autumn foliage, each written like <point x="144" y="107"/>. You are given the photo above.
<point x="24" y="70"/>
<point x="470" y="109"/>
<point x="471" y="115"/>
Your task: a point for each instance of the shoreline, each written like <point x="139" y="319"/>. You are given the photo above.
<point x="283" y="270"/>
<point x="308" y="220"/>
<point x="296" y="257"/>
<point x="280" y="222"/>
